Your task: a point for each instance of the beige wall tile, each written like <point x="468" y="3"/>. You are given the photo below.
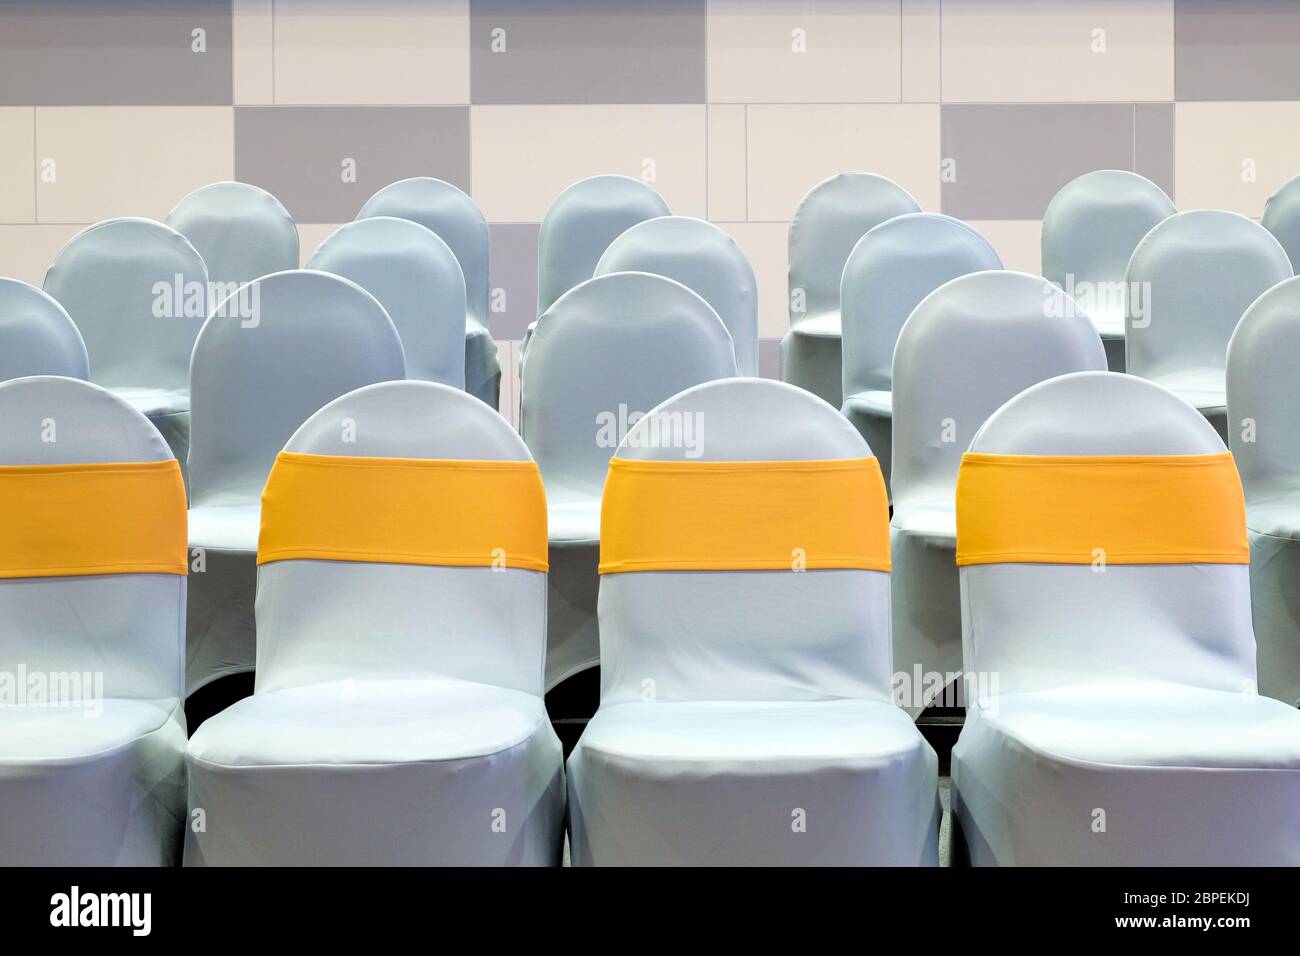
<point x="919" y="37"/>
<point x="128" y="160"/>
<point x="311" y="235"/>
<point x="850" y="51"/>
<point x="386" y="52"/>
<point x="727" y="162"/>
<point x="17" y="164"/>
<point x="765" y="245"/>
<point x="252" y="60"/>
<point x="1014" y="52"/>
<point x="523" y="156"/>
<point x="1233" y="155"/>
<point x="26" y="250"/>
<point x="1017" y="242"/>
<point x="793" y="148"/>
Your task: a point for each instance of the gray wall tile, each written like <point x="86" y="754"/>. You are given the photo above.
<point x="298" y="152"/>
<point x="1243" y="50"/>
<point x="1011" y="159"/>
<point x="769" y="358"/>
<point x="125" y="53"/>
<point x="514" y="270"/>
<point x="1153" y="151"/>
<point x="588" y="51"/>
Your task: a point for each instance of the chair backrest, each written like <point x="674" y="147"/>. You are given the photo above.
<point x="440" y="602"/>
<point x="707" y="261"/>
<point x="138" y="292"/>
<point x="1090" y="229"/>
<point x="768" y="600"/>
<point x="604" y="354"/>
<point x="295" y="341"/>
<point x="830" y="220"/>
<point x="1190" y="280"/>
<point x="969" y="346"/>
<point x="1282" y="217"/>
<point x="1125" y="556"/>
<point x="416" y="278"/>
<point x="241" y="231"/>
<point x="581" y="223"/>
<point x="87" y="475"/>
<point x="37" y="336"/>
<point x="1264" y="393"/>
<point x="455" y="219"/>
<point x="890" y="270"/>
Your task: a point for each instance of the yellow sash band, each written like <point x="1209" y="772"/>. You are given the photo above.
<point x="744" y="515"/>
<point x="1116" y="509"/>
<point x="404" y="511"/>
<point x="109" y="518"/>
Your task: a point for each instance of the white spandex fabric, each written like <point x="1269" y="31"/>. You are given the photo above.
<point x="1123" y="727"/>
<point x="890" y="270"/>
<point x="1282" y="217"/>
<point x="398" y="718"/>
<point x="454" y="218"/>
<point x="830" y="220"/>
<point x="37" y="336"/>
<point x="416" y="278"/>
<point x="968" y="347"/>
<point x="138" y="292"/>
<point x="753" y="724"/>
<point x="1264" y="432"/>
<point x="241" y="231"/>
<point x="315" y="337"/>
<point x="1198" y="271"/>
<point x="1090" y="229"/>
<point x="96" y="778"/>
<point x="707" y="261"/>
<point x="603" y="354"/>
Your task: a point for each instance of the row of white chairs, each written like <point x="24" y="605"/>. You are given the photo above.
<point x="746" y="713"/>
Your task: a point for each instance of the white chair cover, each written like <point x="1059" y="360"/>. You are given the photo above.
<point x="830" y="220"/>
<point x="1264" y="432"/>
<point x="97" y="779"/>
<point x="409" y="695"/>
<point x="707" y="261"/>
<point x="1197" y="272"/>
<point x="1282" y="217"/>
<point x="969" y="346"/>
<point x="37" y="336"/>
<point x="416" y="278"/>
<point x="242" y="232"/>
<point x="315" y="337"/>
<point x="604" y="354"/>
<point x="138" y="292"/>
<point x="454" y="218"/>
<point x="770" y="690"/>
<point x="890" y="270"/>
<point x="1090" y="229"/>
<point x="1123" y="728"/>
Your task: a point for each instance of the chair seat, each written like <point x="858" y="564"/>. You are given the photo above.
<point x="1275" y="517"/>
<point x="573" y="520"/>
<point x="826" y="326"/>
<point x="877" y="403"/>
<point x="1109" y="322"/>
<point x="154" y="402"/>
<point x="232" y="527"/>
<point x="392" y="772"/>
<point x="934" y="521"/>
<point x="1130" y="773"/>
<point x="62" y="734"/>
<point x="1203" y="389"/>
<point x="727" y="783"/>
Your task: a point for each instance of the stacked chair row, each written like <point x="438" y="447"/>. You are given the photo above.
<point x="745" y="714"/>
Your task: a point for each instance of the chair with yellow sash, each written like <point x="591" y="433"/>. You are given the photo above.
<point x="269" y="356"/>
<point x="401" y="611"/>
<point x="1112" y="714"/>
<point x="746" y="714"/>
<point x="92" y="608"/>
<point x="966" y="348"/>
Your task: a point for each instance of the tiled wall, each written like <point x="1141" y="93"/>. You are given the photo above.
<point x="982" y="108"/>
